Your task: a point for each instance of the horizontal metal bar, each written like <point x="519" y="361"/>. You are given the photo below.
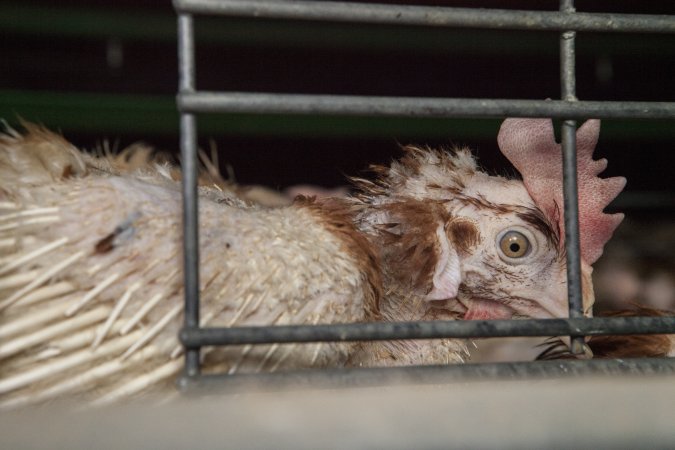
<point x="378" y="376"/>
<point x="156" y="114"/>
<point x="264" y="103"/>
<point x="194" y="337"/>
<point x="430" y="16"/>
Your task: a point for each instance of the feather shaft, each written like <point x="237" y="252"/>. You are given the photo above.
<point x="42" y="279"/>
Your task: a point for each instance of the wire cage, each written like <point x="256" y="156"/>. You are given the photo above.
<point x="567" y="22"/>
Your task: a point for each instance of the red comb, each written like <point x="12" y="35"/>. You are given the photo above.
<point x="530" y="146"/>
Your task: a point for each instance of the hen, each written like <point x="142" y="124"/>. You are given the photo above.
<point x="91" y="276"/>
<point x="619" y="346"/>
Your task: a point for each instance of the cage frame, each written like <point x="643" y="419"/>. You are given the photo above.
<point x="568" y="22"/>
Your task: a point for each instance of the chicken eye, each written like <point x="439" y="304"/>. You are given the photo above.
<point x="514" y="244"/>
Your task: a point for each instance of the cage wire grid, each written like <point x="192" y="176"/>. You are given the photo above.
<point x="568" y="22"/>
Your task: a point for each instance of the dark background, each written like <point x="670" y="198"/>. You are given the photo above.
<point x="107" y="70"/>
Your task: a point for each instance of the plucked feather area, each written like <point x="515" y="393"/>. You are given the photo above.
<point x="91" y="274"/>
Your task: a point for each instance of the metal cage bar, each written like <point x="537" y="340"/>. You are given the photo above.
<point x="436" y="374"/>
<point x="430" y="15"/>
<point x="188" y="146"/>
<point x="570" y="188"/>
<point x="264" y="103"/>
<point x="426" y="330"/>
<point x="567" y="21"/>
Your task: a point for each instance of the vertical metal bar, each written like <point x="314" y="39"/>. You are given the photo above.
<point x="569" y="149"/>
<point x="188" y="146"/>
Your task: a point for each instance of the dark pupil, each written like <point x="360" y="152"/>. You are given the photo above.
<point x="514" y="247"/>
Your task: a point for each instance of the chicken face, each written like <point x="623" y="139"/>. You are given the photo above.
<point x="486" y="246"/>
<point x="513" y="267"/>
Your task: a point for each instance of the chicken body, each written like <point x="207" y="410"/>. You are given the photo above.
<point x="91" y="270"/>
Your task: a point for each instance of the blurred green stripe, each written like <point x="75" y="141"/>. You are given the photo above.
<point x="91" y="112"/>
<point x="64" y="21"/>
<point x="156" y="114"/>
